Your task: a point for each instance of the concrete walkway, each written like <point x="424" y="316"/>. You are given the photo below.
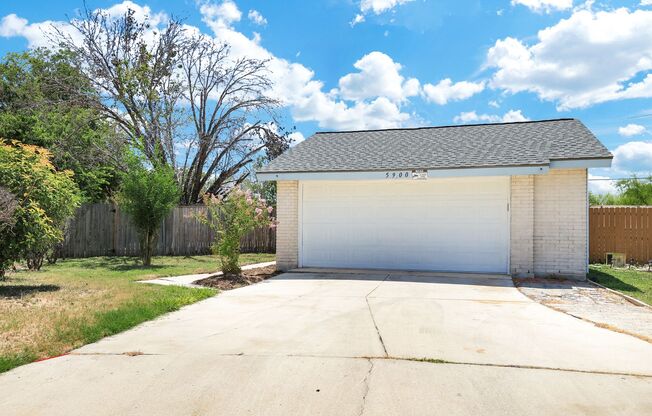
<point x="348" y="344"/>
<point x="188" y="280"/>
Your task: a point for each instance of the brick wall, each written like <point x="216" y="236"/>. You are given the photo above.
<point x="522" y="226"/>
<point x="287" y="230"/>
<point x="557" y="215"/>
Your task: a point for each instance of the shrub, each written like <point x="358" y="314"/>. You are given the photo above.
<point x="148" y="196"/>
<point x="44" y="200"/>
<point x="231" y="218"/>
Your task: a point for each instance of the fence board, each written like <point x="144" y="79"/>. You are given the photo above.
<point x="620" y="230"/>
<point x="104" y="230"/>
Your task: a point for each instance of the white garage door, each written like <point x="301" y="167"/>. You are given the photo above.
<point x="452" y="224"/>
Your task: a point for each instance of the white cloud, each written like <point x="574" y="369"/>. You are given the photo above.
<point x="223" y="14"/>
<point x="646" y="2"/>
<point x="36" y="34"/>
<point x="602" y="185"/>
<point x="588" y="58"/>
<point x="446" y="91"/>
<point x="633" y="157"/>
<point x="380" y="6"/>
<point x="494" y="104"/>
<point x="296" y="87"/>
<point x="257" y="18"/>
<point x="379" y="76"/>
<point x="376" y="7"/>
<point x="631" y="130"/>
<point x="296" y="138"/>
<point x="12" y="25"/>
<point x="544" y="5"/>
<point x="359" y="18"/>
<point x="473" y="117"/>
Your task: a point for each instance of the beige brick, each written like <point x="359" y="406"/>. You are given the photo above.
<point x="522" y="226"/>
<point x="287" y="230"/>
<point x="548" y="224"/>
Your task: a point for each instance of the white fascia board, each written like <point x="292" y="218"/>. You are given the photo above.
<point x="580" y="163"/>
<point x="325" y="176"/>
<point x="401" y="174"/>
<point x="497" y="171"/>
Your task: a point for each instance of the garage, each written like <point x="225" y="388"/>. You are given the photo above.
<point x="447" y="224"/>
<point x="507" y="198"/>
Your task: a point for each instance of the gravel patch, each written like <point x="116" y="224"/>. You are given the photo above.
<point x="586" y="301"/>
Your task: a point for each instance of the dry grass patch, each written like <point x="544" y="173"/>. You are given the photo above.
<point x="62" y="307"/>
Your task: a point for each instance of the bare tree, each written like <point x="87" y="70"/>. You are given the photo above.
<point x="226" y="98"/>
<point x="8" y="205"/>
<point x="167" y="89"/>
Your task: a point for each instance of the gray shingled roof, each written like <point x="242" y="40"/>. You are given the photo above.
<point x="465" y="146"/>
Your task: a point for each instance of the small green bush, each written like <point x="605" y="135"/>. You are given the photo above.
<point x="148" y="196"/>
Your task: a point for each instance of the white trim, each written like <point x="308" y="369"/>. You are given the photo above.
<point x="586" y="193"/>
<point x="300" y="225"/>
<point x="497" y="171"/>
<point x="406" y="174"/>
<point x="580" y="163"/>
<point x="509" y="226"/>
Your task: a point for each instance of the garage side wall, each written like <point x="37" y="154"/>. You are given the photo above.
<point x="557" y="216"/>
<point x="522" y="226"/>
<point x="287" y="230"/>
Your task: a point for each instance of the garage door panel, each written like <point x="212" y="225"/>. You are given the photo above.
<point x="457" y="224"/>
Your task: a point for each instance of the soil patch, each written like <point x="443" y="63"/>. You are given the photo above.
<point x="245" y="278"/>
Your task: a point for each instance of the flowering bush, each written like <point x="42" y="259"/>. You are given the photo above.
<point x="231" y="218"/>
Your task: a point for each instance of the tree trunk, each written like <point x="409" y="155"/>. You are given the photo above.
<point x="147" y="247"/>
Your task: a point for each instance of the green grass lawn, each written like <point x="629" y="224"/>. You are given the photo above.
<point x="76" y="302"/>
<point x="637" y="284"/>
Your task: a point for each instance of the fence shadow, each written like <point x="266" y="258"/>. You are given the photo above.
<point x="18" y="291"/>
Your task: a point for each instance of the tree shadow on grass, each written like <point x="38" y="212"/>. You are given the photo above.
<point x="612" y="282"/>
<point x="115" y="263"/>
<point x="18" y="291"/>
<point x="125" y="263"/>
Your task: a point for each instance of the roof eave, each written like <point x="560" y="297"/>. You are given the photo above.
<point x="403" y="174"/>
<point x="394" y="174"/>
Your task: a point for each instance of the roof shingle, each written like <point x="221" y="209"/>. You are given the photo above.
<point x="447" y="147"/>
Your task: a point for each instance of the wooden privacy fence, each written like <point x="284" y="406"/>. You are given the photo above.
<point x="103" y="230"/>
<point x="619" y="229"/>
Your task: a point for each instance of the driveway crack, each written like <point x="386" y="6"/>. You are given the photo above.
<point x="365" y="381"/>
<point x="373" y="319"/>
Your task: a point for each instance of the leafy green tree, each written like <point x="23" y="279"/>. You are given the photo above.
<point x="231" y="218"/>
<point x="604" y="199"/>
<point x="148" y="195"/>
<point x="635" y="191"/>
<point x="44" y="200"/>
<point x="37" y="106"/>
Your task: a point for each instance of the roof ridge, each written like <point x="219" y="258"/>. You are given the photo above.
<point x="450" y="126"/>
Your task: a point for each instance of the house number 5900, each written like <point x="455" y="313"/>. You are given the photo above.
<point x="397" y="175"/>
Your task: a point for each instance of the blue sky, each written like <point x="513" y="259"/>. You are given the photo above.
<point x="345" y="64"/>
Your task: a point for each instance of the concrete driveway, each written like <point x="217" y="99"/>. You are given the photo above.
<point x="348" y="344"/>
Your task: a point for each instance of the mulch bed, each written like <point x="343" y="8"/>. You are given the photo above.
<point x="245" y="278"/>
